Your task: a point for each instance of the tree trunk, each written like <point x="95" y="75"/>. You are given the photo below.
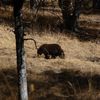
<point x="70" y="11"/>
<point x="20" y="53"/>
<point x="96" y="4"/>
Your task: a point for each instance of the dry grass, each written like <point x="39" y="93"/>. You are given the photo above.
<point x="77" y="77"/>
<point x="77" y="53"/>
<point x="78" y="58"/>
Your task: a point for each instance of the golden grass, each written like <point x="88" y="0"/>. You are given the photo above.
<point x="77" y="53"/>
<point x="81" y="57"/>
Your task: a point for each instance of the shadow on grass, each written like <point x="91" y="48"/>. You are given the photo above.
<point x="51" y="23"/>
<point x="87" y="34"/>
<point x="49" y="85"/>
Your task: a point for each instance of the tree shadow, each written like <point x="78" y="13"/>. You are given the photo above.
<point x="87" y="34"/>
<point x="45" y="23"/>
<point x="53" y="23"/>
<point x="68" y="84"/>
<point x="50" y="85"/>
<point x="91" y="12"/>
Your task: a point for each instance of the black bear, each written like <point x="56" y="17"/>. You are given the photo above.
<point x="51" y="50"/>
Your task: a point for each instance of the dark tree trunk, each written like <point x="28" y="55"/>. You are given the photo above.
<point x="96" y="4"/>
<point x="19" y="35"/>
<point x="70" y="11"/>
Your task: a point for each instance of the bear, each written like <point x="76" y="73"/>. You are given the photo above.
<point x="51" y="50"/>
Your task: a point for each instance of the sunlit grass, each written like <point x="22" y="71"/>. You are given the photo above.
<point x="58" y="79"/>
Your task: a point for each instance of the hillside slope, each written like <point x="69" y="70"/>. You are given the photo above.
<point x="82" y="56"/>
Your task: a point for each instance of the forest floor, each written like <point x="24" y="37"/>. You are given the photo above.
<point x="76" y="77"/>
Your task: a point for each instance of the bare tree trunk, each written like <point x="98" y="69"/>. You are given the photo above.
<point x="19" y="35"/>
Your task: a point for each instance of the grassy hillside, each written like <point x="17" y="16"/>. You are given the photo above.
<point x="77" y="77"/>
